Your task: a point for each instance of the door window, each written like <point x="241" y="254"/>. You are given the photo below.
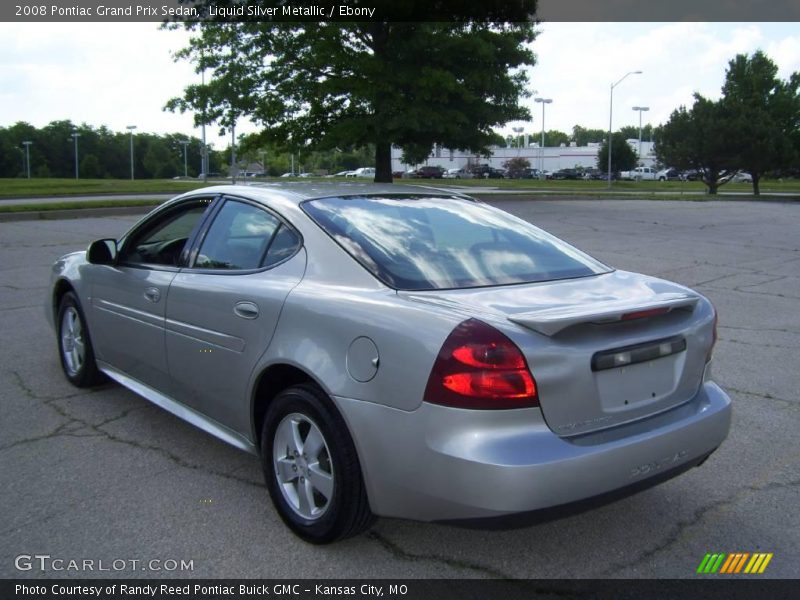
<point x="244" y="236"/>
<point x="161" y="240"/>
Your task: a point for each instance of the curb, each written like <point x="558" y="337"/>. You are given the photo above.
<point x="74" y="213"/>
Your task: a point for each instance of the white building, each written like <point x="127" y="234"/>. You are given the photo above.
<point x="550" y="158"/>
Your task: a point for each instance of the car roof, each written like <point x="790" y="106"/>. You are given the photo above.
<point x="297" y="192"/>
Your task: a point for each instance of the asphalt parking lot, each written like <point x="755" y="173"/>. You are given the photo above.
<point x="104" y="475"/>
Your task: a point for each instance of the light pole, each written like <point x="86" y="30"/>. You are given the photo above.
<point x="518" y="131"/>
<point x="543" y="102"/>
<point x="27" y="157"/>
<point x="204" y="156"/>
<point x="234" y="169"/>
<point x="610" y="116"/>
<point x="131" y="128"/>
<point x="184" y="143"/>
<point x="75" y="137"/>
<point x="640" y="110"/>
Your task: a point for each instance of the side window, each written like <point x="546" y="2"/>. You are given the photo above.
<point x="161" y="241"/>
<point x="243" y="236"/>
<point x="284" y="243"/>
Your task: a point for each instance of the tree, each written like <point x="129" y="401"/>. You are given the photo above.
<point x="516" y="166"/>
<point x="582" y="136"/>
<point x="699" y="139"/>
<point x="765" y="115"/>
<point x="555" y="138"/>
<point x="623" y="157"/>
<point x="322" y="85"/>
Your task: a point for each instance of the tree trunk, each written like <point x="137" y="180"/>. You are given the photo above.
<point x="756" y="178"/>
<point x="383" y="162"/>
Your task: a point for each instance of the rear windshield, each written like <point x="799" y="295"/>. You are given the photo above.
<point x="426" y="243"/>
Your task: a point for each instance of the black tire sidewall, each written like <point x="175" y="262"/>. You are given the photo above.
<point x="309" y="402"/>
<point x="87" y="375"/>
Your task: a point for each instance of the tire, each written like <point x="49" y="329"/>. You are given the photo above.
<point x="318" y="491"/>
<point x="75" y="345"/>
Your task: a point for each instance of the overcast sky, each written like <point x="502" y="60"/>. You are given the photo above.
<point x="119" y="74"/>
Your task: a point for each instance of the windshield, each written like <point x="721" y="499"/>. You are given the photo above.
<point x="426" y="243"/>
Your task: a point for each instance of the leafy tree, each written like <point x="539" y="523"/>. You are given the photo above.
<point x="623" y="157"/>
<point x="582" y="136"/>
<point x="515" y="166"/>
<point x="699" y="139"/>
<point x="90" y="167"/>
<point x="631" y="132"/>
<point x="764" y="112"/>
<point x="322" y="85"/>
<point x="553" y="138"/>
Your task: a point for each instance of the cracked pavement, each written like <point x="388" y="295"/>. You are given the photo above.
<point x="103" y="474"/>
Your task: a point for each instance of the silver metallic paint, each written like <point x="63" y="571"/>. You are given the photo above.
<point x="419" y="460"/>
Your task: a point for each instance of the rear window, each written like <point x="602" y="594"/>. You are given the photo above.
<point x="426" y="243"/>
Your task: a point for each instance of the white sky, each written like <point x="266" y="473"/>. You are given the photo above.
<point x="119" y="74"/>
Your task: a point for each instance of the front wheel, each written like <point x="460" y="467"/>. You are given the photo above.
<point x="74" y="344"/>
<point x="311" y="467"/>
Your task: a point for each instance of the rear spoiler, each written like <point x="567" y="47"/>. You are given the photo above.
<point x="551" y="321"/>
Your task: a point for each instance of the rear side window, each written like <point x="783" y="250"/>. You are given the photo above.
<point x="423" y="242"/>
<point x="244" y="236"/>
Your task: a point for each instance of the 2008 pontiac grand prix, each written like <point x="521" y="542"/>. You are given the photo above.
<point x="395" y="351"/>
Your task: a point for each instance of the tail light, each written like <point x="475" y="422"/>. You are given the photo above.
<point x="710" y="353"/>
<point x="479" y="367"/>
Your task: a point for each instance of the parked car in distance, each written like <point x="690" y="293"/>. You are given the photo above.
<point x="692" y="175"/>
<point x="395" y="351"/>
<point x="669" y="174"/>
<point x="742" y="177"/>
<point x="429" y="172"/>
<point x="362" y="172"/>
<point x="486" y="172"/>
<point x="593" y="174"/>
<point x="639" y="174"/>
<point x="568" y="173"/>
<point x="461" y="173"/>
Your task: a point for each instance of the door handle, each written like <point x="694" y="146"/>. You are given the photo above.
<point x="153" y="294"/>
<point x="246" y="310"/>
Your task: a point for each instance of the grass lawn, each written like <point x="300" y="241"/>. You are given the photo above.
<point x="67" y="205"/>
<point x="32" y="188"/>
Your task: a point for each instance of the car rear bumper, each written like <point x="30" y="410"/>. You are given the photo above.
<point x="439" y="463"/>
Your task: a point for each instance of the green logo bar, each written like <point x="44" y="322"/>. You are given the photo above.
<point x="711" y="563"/>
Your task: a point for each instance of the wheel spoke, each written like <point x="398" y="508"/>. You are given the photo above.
<point x="322" y="481"/>
<point x="297" y="439"/>
<point x="305" y="493"/>
<point x="286" y="473"/>
<point x="313" y="444"/>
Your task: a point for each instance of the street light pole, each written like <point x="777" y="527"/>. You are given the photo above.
<point x="75" y="137"/>
<point x="543" y="101"/>
<point x="184" y="143"/>
<point x="518" y="131"/>
<point x="131" y="128"/>
<point x="640" y="109"/>
<point x="234" y="170"/>
<point x="610" y="116"/>
<point x="27" y="157"/>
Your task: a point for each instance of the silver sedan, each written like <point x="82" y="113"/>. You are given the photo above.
<point x="396" y="351"/>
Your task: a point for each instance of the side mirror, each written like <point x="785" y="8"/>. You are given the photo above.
<point x="102" y="252"/>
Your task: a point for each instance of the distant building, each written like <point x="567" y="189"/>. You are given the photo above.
<point x="549" y="158"/>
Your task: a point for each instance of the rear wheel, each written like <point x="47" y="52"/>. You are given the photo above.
<point x="74" y="345"/>
<point x="311" y="467"/>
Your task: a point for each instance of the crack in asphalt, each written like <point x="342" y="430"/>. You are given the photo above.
<point x="399" y="553"/>
<point x="50" y="401"/>
<point x="757" y="329"/>
<point x="766" y="396"/>
<point x="759" y="344"/>
<point x="683" y="526"/>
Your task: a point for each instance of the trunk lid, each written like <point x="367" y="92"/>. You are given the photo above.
<point x="604" y="350"/>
